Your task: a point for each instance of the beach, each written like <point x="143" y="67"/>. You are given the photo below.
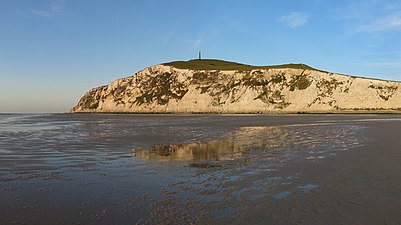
<point x="200" y="169"/>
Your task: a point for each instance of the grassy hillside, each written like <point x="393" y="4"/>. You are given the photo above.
<point x="213" y="64"/>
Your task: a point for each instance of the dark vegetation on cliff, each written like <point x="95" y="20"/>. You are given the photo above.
<point x="214" y="64"/>
<point x="161" y="88"/>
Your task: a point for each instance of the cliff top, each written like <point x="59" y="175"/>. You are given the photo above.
<point x="214" y="64"/>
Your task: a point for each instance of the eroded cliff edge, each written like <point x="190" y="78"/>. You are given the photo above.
<point x="212" y="86"/>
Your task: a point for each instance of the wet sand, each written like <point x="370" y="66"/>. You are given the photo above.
<point x="356" y="187"/>
<point x="200" y="169"/>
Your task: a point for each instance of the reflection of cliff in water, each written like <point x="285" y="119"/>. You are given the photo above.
<point x="270" y="143"/>
<point x="234" y="145"/>
<point x="213" y="150"/>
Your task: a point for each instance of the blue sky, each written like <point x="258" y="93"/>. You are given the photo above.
<point x="53" y="51"/>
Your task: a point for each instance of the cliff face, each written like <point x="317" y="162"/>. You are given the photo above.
<point x="170" y="88"/>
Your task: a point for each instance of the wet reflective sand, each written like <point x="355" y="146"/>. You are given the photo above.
<point x="201" y="169"/>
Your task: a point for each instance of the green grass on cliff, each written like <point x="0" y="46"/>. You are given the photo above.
<point x="213" y="64"/>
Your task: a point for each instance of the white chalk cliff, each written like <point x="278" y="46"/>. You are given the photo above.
<point x="213" y="86"/>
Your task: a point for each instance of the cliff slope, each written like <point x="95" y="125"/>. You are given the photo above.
<point x="214" y="86"/>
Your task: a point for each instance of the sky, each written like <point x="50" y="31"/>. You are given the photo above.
<point x="53" y="51"/>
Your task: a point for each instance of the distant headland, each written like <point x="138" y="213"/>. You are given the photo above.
<point x="216" y="86"/>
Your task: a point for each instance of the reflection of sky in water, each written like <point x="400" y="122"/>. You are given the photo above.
<point x="29" y="123"/>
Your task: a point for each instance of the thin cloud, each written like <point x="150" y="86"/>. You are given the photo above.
<point x="56" y="6"/>
<point x="354" y="10"/>
<point x="370" y="16"/>
<point x="235" y="24"/>
<point x="294" y="19"/>
<point x="38" y="12"/>
<point x="167" y="37"/>
<point x="395" y="64"/>
<point x="197" y="42"/>
<point x="53" y="9"/>
<point x="389" y="23"/>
